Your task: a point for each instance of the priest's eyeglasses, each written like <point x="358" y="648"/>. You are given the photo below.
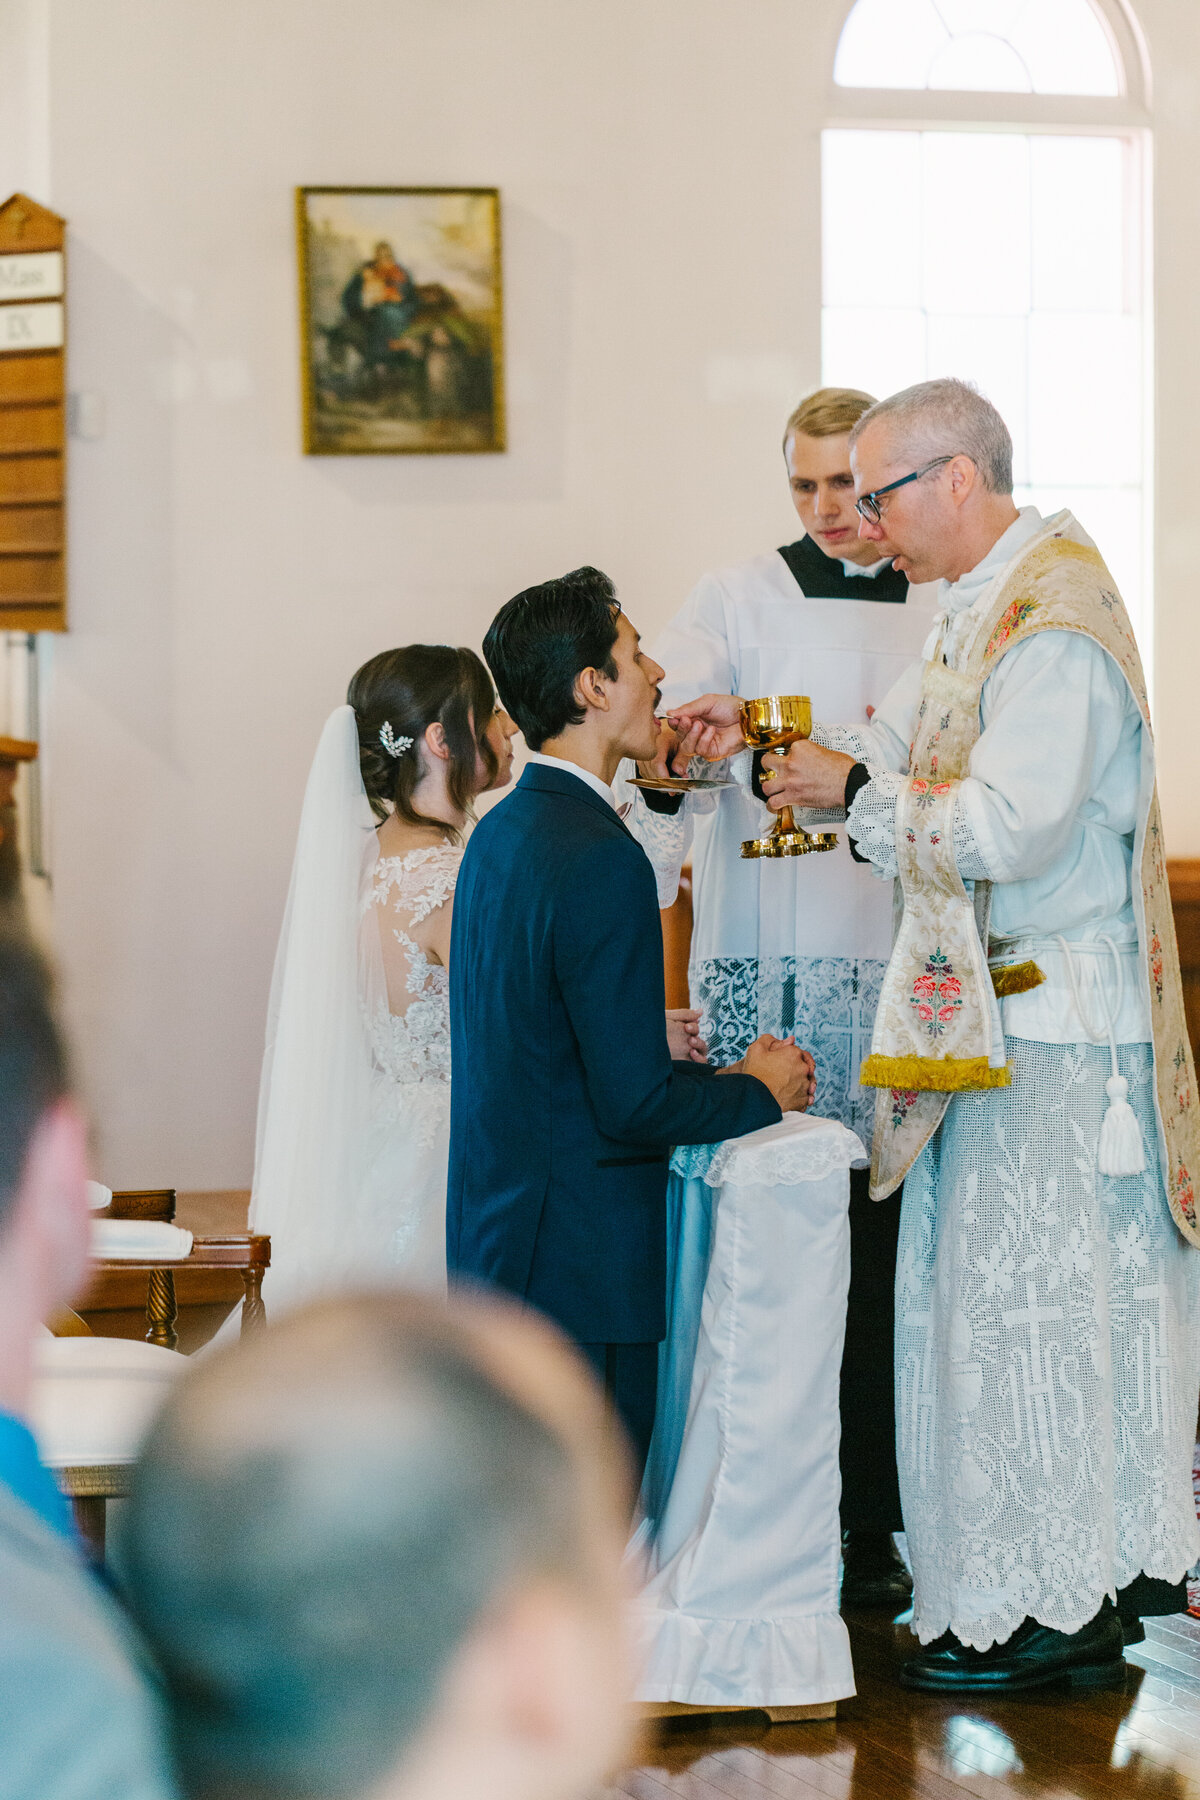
<point x="867" y="505"/>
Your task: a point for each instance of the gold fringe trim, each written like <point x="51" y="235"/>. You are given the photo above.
<point x="920" y="1074"/>
<point x="1016" y="978"/>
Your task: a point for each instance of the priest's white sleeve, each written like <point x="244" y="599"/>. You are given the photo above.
<point x="1054" y="713"/>
<point x="696" y="653"/>
<point x="665" y="837"/>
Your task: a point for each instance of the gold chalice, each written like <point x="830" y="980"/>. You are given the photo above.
<point x="772" y="724"/>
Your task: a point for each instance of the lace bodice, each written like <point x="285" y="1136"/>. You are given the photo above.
<point x="410" y="1023"/>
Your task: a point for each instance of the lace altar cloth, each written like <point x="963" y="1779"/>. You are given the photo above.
<point x="828" y="1002"/>
<point x="1047" y="1356"/>
<point x="741" y="1532"/>
<point x="800" y="1148"/>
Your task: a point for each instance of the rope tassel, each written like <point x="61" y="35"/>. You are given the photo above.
<point x="1120" y="1150"/>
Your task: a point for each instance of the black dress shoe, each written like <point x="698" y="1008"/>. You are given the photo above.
<point x="1034" y="1656"/>
<point x="873" y="1572"/>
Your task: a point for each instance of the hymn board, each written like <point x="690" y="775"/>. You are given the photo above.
<point x="33" y="588"/>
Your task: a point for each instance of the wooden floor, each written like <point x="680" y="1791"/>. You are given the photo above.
<point x="890" y="1744"/>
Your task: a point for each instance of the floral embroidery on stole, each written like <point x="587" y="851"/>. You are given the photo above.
<point x="933" y="1030"/>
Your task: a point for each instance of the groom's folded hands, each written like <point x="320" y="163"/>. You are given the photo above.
<point x="788" y="1072"/>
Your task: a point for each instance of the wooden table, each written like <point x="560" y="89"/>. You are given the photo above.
<point x="248" y="1254"/>
<point x="91" y="1487"/>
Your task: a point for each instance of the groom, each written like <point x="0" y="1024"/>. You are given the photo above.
<point x="565" y="1102"/>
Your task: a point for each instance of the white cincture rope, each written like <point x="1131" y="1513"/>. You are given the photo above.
<point x="1120" y="1150"/>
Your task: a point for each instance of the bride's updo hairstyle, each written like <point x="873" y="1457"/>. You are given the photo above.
<point x="406" y="691"/>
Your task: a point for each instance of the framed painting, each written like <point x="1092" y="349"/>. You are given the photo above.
<point x="401" y="327"/>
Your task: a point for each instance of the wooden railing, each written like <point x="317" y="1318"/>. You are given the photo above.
<point x="1184" y="878"/>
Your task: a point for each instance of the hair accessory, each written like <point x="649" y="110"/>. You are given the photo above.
<point x="395" y="746"/>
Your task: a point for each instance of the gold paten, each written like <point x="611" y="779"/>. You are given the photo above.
<point x="772" y="724"/>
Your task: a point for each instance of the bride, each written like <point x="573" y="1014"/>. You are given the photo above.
<point x="354" y="1108"/>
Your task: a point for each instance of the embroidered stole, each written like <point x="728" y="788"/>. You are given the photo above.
<point x="935" y="1028"/>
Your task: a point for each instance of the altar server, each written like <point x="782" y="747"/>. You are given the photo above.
<point x="800" y="944"/>
<point x="1038" y="1089"/>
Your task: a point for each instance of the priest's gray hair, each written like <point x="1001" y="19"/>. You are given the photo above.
<point x="320" y="1517"/>
<point x="946" y="418"/>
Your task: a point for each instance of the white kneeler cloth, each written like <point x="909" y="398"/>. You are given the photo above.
<point x="95" y="1398"/>
<point x="741" y="1539"/>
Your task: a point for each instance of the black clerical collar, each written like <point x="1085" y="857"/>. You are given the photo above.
<point x="823" y="577"/>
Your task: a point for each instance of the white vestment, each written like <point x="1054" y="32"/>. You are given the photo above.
<point x="1047" y="1316"/>
<point x="800" y="943"/>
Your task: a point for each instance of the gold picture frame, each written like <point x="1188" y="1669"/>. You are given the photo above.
<point x="401" y="321"/>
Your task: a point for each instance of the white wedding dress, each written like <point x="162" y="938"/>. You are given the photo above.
<point x="401" y="1225"/>
<point x="354" y="1107"/>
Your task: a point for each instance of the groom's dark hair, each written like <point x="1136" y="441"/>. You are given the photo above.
<point x="540" y="642"/>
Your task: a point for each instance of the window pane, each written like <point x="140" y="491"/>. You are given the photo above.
<point x="1078" y="201"/>
<point x="1031" y="292"/>
<point x="1001" y="46"/>
<point x="1084" y="399"/>
<point x="976" y="222"/>
<point x="1065" y="46"/>
<point x="861" y="258"/>
<point x="889" y="43"/>
<point x="980" y="64"/>
<point x="876" y="350"/>
<point x="995" y="16"/>
<point x="993" y="353"/>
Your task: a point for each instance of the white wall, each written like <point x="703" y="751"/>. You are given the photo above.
<point x="658" y="165"/>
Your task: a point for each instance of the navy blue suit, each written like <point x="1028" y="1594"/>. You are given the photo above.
<point x="564" y="1098"/>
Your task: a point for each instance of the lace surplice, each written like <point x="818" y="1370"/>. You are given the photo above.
<point x="410" y="1026"/>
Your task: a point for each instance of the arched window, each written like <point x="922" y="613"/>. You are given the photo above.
<point x="993" y="46"/>
<point x="984" y="215"/>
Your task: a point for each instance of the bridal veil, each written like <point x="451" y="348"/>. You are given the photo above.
<point x="314" y="1138"/>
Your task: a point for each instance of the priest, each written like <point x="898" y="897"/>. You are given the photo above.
<point x="799" y="945"/>
<point x="1037" y="1087"/>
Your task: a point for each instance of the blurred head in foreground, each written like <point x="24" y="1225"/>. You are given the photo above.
<point x="43" y="1165"/>
<point x="377" y="1552"/>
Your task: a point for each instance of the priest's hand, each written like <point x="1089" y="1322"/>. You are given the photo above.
<point x="807" y="774"/>
<point x="683" y="1035"/>
<point x="671" y="754"/>
<point x="710" y="727"/>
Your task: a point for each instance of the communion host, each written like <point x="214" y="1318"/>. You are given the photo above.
<point x="565" y="1101"/>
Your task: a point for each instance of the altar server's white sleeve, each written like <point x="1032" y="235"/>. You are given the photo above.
<point x="1053" y="714"/>
<point x="698" y="649"/>
<point x="882" y="741"/>
<point x="696" y="654"/>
